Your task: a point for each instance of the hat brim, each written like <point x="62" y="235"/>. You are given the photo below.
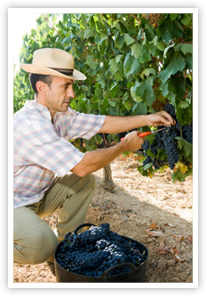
<point x="31" y="68"/>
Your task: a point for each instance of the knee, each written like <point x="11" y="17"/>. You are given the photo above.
<point x="46" y="246"/>
<point x="36" y="249"/>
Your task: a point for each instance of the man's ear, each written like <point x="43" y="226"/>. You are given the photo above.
<point x="41" y="87"/>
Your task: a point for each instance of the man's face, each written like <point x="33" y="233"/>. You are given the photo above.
<point x="59" y="94"/>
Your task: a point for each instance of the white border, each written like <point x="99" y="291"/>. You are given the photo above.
<point x="13" y="15"/>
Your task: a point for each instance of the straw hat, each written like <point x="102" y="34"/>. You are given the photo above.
<point x="53" y="61"/>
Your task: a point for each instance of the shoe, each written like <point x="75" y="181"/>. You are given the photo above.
<point x="51" y="259"/>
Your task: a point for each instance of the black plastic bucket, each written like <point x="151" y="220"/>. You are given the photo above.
<point x="135" y="273"/>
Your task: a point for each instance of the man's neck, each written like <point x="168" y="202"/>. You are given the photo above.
<point x="39" y="100"/>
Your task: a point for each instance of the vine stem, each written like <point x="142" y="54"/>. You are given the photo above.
<point x="180" y="131"/>
<point x="47" y="19"/>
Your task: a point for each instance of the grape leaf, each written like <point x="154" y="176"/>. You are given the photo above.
<point x="147" y="166"/>
<point x="131" y="65"/>
<point x="129" y="40"/>
<point x="113" y="65"/>
<point x="183" y="144"/>
<point x="186" y="19"/>
<point x="183" y="105"/>
<point x="119" y="42"/>
<point x="144" y="91"/>
<point x="90" y="62"/>
<point x="173" y="16"/>
<point x="136" y="50"/>
<point x="160" y="45"/>
<point x="185" y="48"/>
<point x="182" y="167"/>
<point x="147" y="72"/>
<point x="164" y="88"/>
<point x="176" y="64"/>
<point x="145" y="55"/>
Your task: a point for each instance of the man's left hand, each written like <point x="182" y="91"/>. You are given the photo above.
<point x="160" y="118"/>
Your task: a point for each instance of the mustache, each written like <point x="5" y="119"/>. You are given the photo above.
<point x="67" y="100"/>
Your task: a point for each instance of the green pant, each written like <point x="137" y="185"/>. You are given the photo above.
<point x="34" y="241"/>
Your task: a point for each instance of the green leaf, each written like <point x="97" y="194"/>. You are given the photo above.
<point x="160" y="45"/>
<point x="87" y="33"/>
<point x="68" y="40"/>
<point x="146" y="72"/>
<point x="184" y="47"/>
<point x="147" y="166"/>
<point x="120" y="42"/>
<point x="91" y="63"/>
<point x="133" y="90"/>
<point x="145" y="55"/>
<point x="188" y="59"/>
<point x="186" y="19"/>
<point x="173" y="16"/>
<point x="127" y="104"/>
<point x="149" y="153"/>
<point x="112" y="103"/>
<point x="136" y="50"/>
<point x="144" y="91"/>
<point x="176" y="64"/>
<point x="149" y="30"/>
<point x="118" y="58"/>
<point x="113" y="65"/>
<point x="183" y="105"/>
<point x="183" y="144"/>
<point x="139" y="108"/>
<point x="179" y="176"/>
<point x="128" y="39"/>
<point x="164" y="88"/>
<point x="131" y="65"/>
<point x="103" y="37"/>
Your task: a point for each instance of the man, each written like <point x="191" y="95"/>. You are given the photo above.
<point x="49" y="172"/>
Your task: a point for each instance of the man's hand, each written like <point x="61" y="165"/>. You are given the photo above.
<point x="133" y="141"/>
<point x="97" y="159"/>
<point x="160" y="118"/>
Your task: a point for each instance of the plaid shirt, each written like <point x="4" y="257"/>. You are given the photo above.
<point x="42" y="149"/>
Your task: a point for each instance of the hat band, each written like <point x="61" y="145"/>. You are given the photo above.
<point x="64" y="71"/>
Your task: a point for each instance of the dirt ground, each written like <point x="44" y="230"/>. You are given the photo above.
<point x="154" y="211"/>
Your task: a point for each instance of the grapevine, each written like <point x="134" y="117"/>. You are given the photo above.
<point x="165" y="141"/>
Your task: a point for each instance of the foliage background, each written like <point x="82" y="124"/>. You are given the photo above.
<point x="134" y="63"/>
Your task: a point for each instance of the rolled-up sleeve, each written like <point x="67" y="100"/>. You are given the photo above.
<point x="72" y="124"/>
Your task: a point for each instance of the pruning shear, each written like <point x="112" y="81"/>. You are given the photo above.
<point x="144" y="134"/>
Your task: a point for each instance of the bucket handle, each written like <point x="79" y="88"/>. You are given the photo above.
<point x="81" y="226"/>
<point x="104" y="275"/>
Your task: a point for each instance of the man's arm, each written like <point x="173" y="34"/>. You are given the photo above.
<point x="97" y="159"/>
<point x="118" y="124"/>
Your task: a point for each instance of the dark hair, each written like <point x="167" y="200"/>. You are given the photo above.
<point x="39" y="77"/>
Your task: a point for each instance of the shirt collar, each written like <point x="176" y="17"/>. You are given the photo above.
<point x="42" y="109"/>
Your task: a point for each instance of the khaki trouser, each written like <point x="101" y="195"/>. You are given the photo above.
<point x="34" y="241"/>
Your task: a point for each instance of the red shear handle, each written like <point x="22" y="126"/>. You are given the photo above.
<point x="142" y="135"/>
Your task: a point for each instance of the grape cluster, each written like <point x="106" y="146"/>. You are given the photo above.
<point x="165" y="140"/>
<point x="97" y="249"/>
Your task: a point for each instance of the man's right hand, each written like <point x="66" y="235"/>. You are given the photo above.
<point x="133" y="141"/>
<point x="97" y="159"/>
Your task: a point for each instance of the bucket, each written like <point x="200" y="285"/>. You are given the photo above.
<point x="114" y="274"/>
